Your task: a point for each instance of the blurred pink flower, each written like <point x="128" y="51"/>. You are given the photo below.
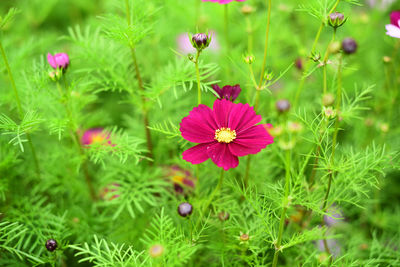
<point x="224" y="133"/>
<point x="223" y="1"/>
<point x="185" y="46"/>
<point x="106" y="192"/>
<point x="393" y="29"/>
<point x="95" y="135"/>
<point x="60" y="60"/>
<point x="182" y="179"/>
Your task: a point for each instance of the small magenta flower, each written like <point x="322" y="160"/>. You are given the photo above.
<point x="60" y="60"/>
<point x="95" y="136"/>
<point x="223" y="1"/>
<point x="228" y="92"/>
<point x="393" y="29"/>
<point x="224" y="133"/>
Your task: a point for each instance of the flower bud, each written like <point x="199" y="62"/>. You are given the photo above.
<point x="387" y="59"/>
<point x="244" y="237"/>
<point x="336" y="19"/>
<point x="51" y="245"/>
<point x="223" y="216"/>
<point x="247" y="9"/>
<point x="328" y="99"/>
<point x="349" y="46"/>
<point x="329" y="112"/>
<point x="58" y="61"/>
<point x="200" y="41"/>
<point x="156" y="251"/>
<point x="294" y="127"/>
<point x="268" y="76"/>
<point x="185" y="209"/>
<point x="299" y="63"/>
<point x="282" y="105"/>
<point x="249" y="59"/>
<point x="334" y="47"/>
<point x="315" y="57"/>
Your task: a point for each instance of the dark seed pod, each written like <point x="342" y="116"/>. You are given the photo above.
<point x="349" y="46"/>
<point x="283" y="105"/>
<point x="51" y="245"/>
<point x="185" y="209"/>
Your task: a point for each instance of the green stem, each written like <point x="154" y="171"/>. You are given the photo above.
<point x="211" y="197"/>
<point x="285" y="207"/>
<point x="308" y="65"/>
<point x="226" y="24"/>
<point x="249" y="29"/>
<point x="75" y="137"/>
<point x="325" y="61"/>
<point x="265" y="45"/>
<point x="20" y="110"/>
<point x="141" y="88"/>
<point x="196" y="63"/>
<point x="258" y="88"/>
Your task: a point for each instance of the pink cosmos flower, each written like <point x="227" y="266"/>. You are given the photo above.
<point x="185" y="45"/>
<point x="224" y="133"/>
<point x="95" y="135"/>
<point x="393" y="29"/>
<point x="223" y="1"/>
<point x="60" y="60"/>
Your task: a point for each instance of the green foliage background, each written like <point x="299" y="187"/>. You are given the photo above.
<point x="103" y="92"/>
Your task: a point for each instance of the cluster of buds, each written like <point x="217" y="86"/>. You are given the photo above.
<point x="336" y="19"/>
<point x="249" y="59"/>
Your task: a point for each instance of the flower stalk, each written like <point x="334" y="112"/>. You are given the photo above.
<point x="258" y="88"/>
<point x="286" y="203"/>
<point x="196" y="63"/>
<point x="308" y="64"/>
<point x="20" y="110"/>
<point x="141" y="88"/>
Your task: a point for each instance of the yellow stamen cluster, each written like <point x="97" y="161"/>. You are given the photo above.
<point x="225" y="135"/>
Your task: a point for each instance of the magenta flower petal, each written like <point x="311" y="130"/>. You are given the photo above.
<point x="243" y="117"/>
<point x="395" y="18"/>
<point x="222" y="156"/>
<point x="251" y="142"/>
<point x="51" y="61"/>
<point x="221" y="110"/>
<point x="199" y="126"/>
<point x="196" y="154"/>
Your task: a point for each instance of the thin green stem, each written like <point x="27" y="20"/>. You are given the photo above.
<point x="325" y="62"/>
<point x="265" y="45"/>
<point x="196" y="63"/>
<point x="226" y="25"/>
<point x="141" y="88"/>
<point x="308" y="65"/>
<point x="258" y="88"/>
<point x="20" y="110"/>
<point x="249" y="29"/>
<point x="75" y="137"/>
<point x="211" y="197"/>
<point x="286" y="203"/>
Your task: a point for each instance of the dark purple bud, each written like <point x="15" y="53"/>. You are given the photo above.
<point x="200" y="41"/>
<point x="283" y="105"/>
<point x="349" y="46"/>
<point x="228" y="92"/>
<point x="336" y="19"/>
<point x="185" y="209"/>
<point x="51" y="245"/>
<point x="178" y="189"/>
<point x="299" y="64"/>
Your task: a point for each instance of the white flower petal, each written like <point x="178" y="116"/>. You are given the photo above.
<point x="393" y="31"/>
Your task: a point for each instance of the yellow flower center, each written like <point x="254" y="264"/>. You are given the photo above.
<point x="97" y="138"/>
<point x="225" y="135"/>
